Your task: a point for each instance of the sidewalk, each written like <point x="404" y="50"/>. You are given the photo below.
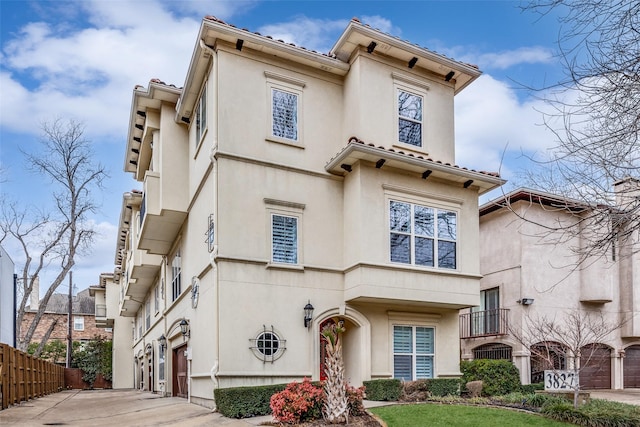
<point x="122" y="408"/>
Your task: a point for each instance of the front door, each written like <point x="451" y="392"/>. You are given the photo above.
<point x="180" y="371"/>
<point x="323" y="349"/>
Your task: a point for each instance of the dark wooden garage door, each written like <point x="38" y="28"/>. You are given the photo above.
<point x="596" y="372"/>
<point x="632" y="367"/>
<point x="180" y="371"/>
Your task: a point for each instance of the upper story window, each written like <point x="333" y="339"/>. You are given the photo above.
<point x="284" y="234"/>
<point x="78" y="323"/>
<point x="201" y="115"/>
<point x="285" y="223"/>
<point x="147" y="309"/>
<point x="421" y="235"/>
<point x="409" y="118"/>
<point x="156" y="298"/>
<point x="285" y="107"/>
<point x="284" y="120"/>
<point x="176" y="273"/>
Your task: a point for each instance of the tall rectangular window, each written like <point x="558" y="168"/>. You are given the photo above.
<point x="176" y="273"/>
<point x="78" y="323"/>
<point x="413" y="352"/>
<point x="161" y="356"/>
<point x="156" y="298"/>
<point x="284" y="239"/>
<point x="147" y="309"/>
<point x="409" y="118"/>
<point x="284" y="108"/>
<point x="421" y="235"/>
<point x="201" y="115"/>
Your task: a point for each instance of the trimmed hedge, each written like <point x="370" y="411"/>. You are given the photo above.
<point x="244" y="402"/>
<point x="383" y="389"/>
<point x="498" y="376"/>
<point x="531" y="388"/>
<point x="444" y="386"/>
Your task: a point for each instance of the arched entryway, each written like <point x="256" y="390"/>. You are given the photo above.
<point x="595" y="367"/>
<point x="356" y="344"/>
<point x="546" y="355"/>
<point x="631" y="367"/>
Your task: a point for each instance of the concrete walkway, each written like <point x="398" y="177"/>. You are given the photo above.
<point x="121" y="408"/>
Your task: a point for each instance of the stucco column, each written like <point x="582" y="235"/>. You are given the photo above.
<point x="523" y="362"/>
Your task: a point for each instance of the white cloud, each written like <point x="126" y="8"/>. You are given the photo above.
<point x="491" y="119"/>
<point x="312" y="34"/>
<point x="507" y="59"/>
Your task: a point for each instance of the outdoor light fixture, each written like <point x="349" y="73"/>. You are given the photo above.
<point x="525" y="301"/>
<point x="184" y="328"/>
<point x="308" y="314"/>
<point x="163" y="341"/>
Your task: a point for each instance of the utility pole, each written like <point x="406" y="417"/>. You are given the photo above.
<point x="69" y="322"/>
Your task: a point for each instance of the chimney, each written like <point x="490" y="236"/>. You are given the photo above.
<point x="35" y="294"/>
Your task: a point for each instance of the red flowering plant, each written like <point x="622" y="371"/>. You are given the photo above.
<point x="355" y="396"/>
<point x="297" y="402"/>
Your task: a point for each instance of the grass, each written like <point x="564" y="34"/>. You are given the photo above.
<point x="419" y="415"/>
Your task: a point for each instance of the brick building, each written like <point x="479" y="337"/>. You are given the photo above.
<point x="84" y="319"/>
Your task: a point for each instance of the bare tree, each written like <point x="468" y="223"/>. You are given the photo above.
<point x="56" y="236"/>
<point x="567" y="341"/>
<point x="594" y="114"/>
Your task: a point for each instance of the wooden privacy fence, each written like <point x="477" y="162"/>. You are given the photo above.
<point x="24" y="377"/>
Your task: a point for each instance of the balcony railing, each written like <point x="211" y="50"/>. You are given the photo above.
<point x="101" y="310"/>
<point x="484" y="323"/>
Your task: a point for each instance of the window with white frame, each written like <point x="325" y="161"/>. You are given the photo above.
<point x="147" y="310"/>
<point x="161" y="357"/>
<point x="413" y="352"/>
<point x="422" y="236"/>
<point x="410" y="118"/>
<point x="78" y="323"/>
<point x="285" y="104"/>
<point x="284" y="239"/>
<point x="176" y="273"/>
<point x="156" y="298"/>
<point x="201" y="115"/>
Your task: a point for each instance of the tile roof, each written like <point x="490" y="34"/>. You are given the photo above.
<point x="355" y="140"/>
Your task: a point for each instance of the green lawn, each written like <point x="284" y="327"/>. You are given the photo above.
<point x="420" y="415"/>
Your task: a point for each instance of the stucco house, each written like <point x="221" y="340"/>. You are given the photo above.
<point x="284" y="189"/>
<point x="7" y="299"/>
<point x="530" y="274"/>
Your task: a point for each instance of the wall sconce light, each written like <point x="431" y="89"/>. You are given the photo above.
<point x="525" y="301"/>
<point x="162" y="341"/>
<point x="308" y="314"/>
<point x="184" y="328"/>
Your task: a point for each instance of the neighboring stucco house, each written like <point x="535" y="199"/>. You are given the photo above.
<point x="283" y="190"/>
<point x="7" y="299"/>
<point x="528" y="275"/>
<point x="107" y="297"/>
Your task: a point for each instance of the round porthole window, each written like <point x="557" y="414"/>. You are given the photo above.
<point x="268" y="346"/>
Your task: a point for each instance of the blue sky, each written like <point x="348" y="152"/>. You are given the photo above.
<point x="82" y="59"/>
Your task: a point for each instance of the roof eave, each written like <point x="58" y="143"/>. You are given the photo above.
<point x="354" y="151"/>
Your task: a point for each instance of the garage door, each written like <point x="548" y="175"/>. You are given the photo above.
<point x="632" y="367"/>
<point x="596" y="372"/>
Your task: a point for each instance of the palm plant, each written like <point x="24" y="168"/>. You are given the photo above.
<point x="335" y="409"/>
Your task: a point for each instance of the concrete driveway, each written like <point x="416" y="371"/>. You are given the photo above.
<point x="628" y="395"/>
<point x="121" y="408"/>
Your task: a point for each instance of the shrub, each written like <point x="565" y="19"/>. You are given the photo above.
<point x="474" y="388"/>
<point x="297" y="402"/>
<point x="444" y="386"/>
<point x="531" y="388"/>
<point x="596" y="413"/>
<point x="498" y="376"/>
<point x="383" y="389"/>
<point x="355" y="396"/>
<point x="243" y="402"/>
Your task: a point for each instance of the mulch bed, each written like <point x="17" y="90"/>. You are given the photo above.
<point x="365" y="420"/>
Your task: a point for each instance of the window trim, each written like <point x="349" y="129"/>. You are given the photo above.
<point x="415" y="87"/>
<point x="291" y="210"/>
<point x="75" y="323"/>
<point x="414" y="353"/>
<point x="200" y="115"/>
<point x="437" y="208"/>
<point x="293" y="86"/>
<point x="174" y="276"/>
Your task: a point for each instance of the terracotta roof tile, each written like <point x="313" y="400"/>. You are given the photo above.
<point x="356" y="140"/>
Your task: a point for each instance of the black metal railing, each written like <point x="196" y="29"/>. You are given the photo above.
<point x="484" y="323"/>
